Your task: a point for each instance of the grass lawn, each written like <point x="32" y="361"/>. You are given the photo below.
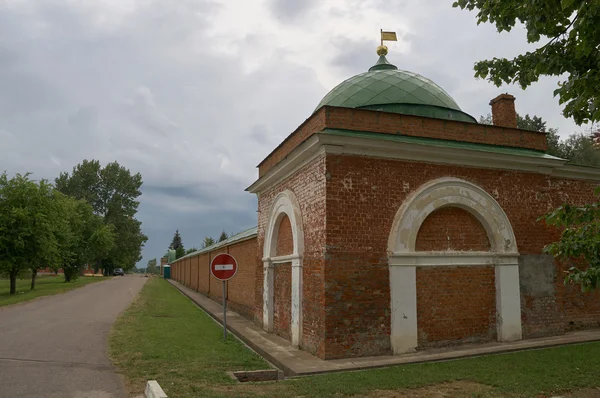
<point x="44" y="286"/>
<point x="164" y="336"/>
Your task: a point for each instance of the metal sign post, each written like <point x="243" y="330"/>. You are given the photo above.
<point x="224" y="312"/>
<point x="224" y="267"/>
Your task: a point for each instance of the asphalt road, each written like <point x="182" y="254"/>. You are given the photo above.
<point x="56" y="346"/>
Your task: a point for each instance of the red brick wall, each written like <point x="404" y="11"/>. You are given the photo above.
<point x="241" y="286"/>
<point x="282" y="303"/>
<point x="394" y="123"/>
<point x="452" y="228"/>
<point x="455" y="304"/>
<point x="204" y="274"/>
<point x="194" y="265"/>
<point x="364" y="194"/>
<point x="194" y="272"/>
<point x="308" y="185"/>
<point x="285" y="239"/>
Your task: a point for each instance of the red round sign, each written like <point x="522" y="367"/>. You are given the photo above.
<point x="223" y="266"/>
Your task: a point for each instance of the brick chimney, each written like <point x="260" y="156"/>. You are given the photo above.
<point x="503" y="111"/>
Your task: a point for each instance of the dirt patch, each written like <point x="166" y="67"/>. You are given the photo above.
<point x="583" y="393"/>
<point x="456" y="389"/>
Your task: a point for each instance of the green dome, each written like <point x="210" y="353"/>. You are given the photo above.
<point x="385" y="88"/>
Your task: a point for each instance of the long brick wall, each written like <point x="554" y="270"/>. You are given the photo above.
<point x="194" y="272"/>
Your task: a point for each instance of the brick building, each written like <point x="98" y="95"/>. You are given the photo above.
<point x="390" y="221"/>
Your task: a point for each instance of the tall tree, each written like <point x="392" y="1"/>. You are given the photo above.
<point x="208" y="241"/>
<point x="578" y="148"/>
<point x="26" y="235"/>
<point x="571" y="35"/>
<point x="176" y="243"/>
<point x="112" y="192"/>
<point x="223" y="236"/>
<point x="151" y="267"/>
<point x="83" y="236"/>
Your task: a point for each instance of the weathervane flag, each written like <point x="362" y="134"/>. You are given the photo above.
<point x="388" y="36"/>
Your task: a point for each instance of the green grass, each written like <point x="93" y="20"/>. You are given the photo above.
<point x="44" y="286"/>
<point x="164" y="336"/>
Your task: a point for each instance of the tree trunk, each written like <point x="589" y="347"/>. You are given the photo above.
<point x="13" y="282"/>
<point x="33" y="275"/>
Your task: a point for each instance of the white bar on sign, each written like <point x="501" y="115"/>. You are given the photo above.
<point x="223" y="267"/>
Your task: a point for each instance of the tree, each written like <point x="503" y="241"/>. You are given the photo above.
<point x="579" y="240"/>
<point x="83" y="236"/>
<point x="179" y="252"/>
<point x="223" y="236"/>
<point x="193" y="249"/>
<point x="572" y="32"/>
<point x="151" y="267"/>
<point x="208" y="241"/>
<point x="176" y="243"/>
<point x="26" y="236"/>
<point x="578" y="148"/>
<point x="112" y="192"/>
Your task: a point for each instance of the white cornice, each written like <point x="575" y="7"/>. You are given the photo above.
<point x="451" y="259"/>
<point x="320" y="143"/>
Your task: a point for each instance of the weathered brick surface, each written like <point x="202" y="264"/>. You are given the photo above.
<point x="348" y="204"/>
<point x="452" y="228"/>
<point x="241" y="286"/>
<point x="282" y="303"/>
<point x="503" y="111"/>
<point x="364" y="194"/>
<point x="194" y="272"/>
<point x="204" y="277"/>
<point x="394" y="123"/>
<point x="455" y="305"/>
<point x="308" y="185"/>
<point x="285" y="239"/>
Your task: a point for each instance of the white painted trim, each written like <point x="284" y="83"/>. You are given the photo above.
<point x="508" y="303"/>
<point x="300" y="156"/>
<point x="449" y="191"/>
<point x="403" y="259"/>
<point x="452" y="259"/>
<point x="282" y="259"/>
<point x="403" y="296"/>
<point x="320" y="143"/>
<point x="284" y="204"/>
<point x="572" y="171"/>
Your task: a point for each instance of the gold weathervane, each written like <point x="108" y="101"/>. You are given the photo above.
<point x="385" y="36"/>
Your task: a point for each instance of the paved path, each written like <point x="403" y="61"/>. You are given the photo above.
<point x="56" y="346"/>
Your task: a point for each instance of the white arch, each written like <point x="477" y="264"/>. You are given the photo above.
<point x="284" y="204"/>
<point x="403" y="259"/>
<point x="454" y="192"/>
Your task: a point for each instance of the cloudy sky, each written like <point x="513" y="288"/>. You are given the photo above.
<point x="195" y="93"/>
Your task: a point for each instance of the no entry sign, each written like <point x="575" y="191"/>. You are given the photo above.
<point x="223" y="267"/>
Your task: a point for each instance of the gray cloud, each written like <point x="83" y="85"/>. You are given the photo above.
<point x="291" y="9"/>
<point x="195" y="93"/>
